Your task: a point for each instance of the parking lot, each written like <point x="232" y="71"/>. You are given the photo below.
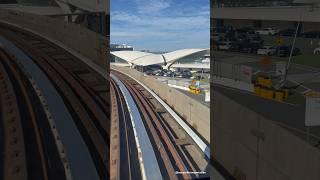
<point x="263" y="48"/>
<point x="266" y="41"/>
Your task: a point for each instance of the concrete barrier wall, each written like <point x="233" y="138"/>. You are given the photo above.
<point x="196" y="114"/>
<point x="277" y="154"/>
<point x="88" y="43"/>
<point x="233" y="83"/>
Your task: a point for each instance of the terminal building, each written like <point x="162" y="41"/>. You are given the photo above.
<point x="184" y="58"/>
<point x="120" y="47"/>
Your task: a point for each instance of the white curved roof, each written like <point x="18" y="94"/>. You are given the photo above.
<point x="129" y="56"/>
<point x="149" y="60"/>
<point x="145" y="59"/>
<point x="174" y="55"/>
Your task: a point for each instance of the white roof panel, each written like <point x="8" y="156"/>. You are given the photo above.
<point x="174" y="55"/>
<point x="149" y="60"/>
<point x="130" y="55"/>
<point x="145" y="59"/>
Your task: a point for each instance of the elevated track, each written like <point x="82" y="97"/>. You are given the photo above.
<point x="177" y="155"/>
<point x="54" y="111"/>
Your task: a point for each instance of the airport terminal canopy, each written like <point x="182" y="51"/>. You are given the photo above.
<point x="146" y="59"/>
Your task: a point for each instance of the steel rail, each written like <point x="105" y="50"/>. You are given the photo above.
<point x="126" y="166"/>
<point x="14" y="157"/>
<point x="76" y="94"/>
<point x="162" y="123"/>
<point x="44" y="171"/>
<point x="114" y="136"/>
<point x="120" y="119"/>
<point x="58" y="112"/>
<point x="153" y="121"/>
<point x="195" y="137"/>
<point x="147" y="157"/>
<point x="80" y="96"/>
<point x="80" y="91"/>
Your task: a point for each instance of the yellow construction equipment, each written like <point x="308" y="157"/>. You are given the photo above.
<point x="279" y="95"/>
<point x="194" y="89"/>
<point x="264" y="81"/>
<point x="264" y="88"/>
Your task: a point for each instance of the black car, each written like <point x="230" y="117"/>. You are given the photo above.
<point x="284" y="51"/>
<point x="311" y="34"/>
<point x="242" y="37"/>
<point x="246" y="30"/>
<point x="149" y="72"/>
<point x="187" y="74"/>
<point x="249" y="47"/>
<point x="287" y="32"/>
<point x="256" y="39"/>
<point x="223" y="29"/>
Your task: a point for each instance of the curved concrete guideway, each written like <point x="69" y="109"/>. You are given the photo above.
<point x="148" y="160"/>
<point x="81" y="164"/>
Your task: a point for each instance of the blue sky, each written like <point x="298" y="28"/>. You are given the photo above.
<point x="161" y="25"/>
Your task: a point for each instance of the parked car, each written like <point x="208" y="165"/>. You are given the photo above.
<point x="229" y="35"/>
<point x="177" y="74"/>
<point x="157" y="72"/>
<point x="149" y="72"/>
<point x="246" y="30"/>
<point x="182" y="74"/>
<point x="167" y="73"/>
<point x="226" y="45"/>
<point x="249" y="47"/>
<point x="286" y="32"/>
<point x="284" y="51"/>
<point x="311" y="34"/>
<point x="267" y="31"/>
<point x="256" y="39"/>
<point x="266" y="50"/>
<point x="186" y="74"/>
<point x="222" y="29"/>
<point x="316" y="51"/>
<point x="215" y="36"/>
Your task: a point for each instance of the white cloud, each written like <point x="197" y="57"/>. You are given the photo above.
<point x="161" y="22"/>
<point x="157" y="23"/>
<point x="151" y="6"/>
